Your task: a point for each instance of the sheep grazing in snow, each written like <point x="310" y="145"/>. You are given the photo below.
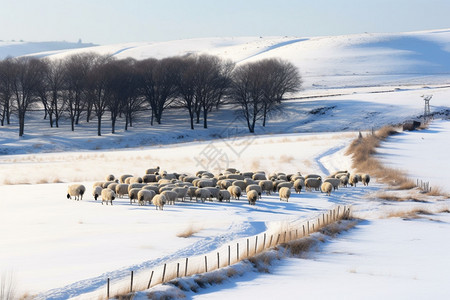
<point x="344" y="180"/>
<point x="224" y="196"/>
<point x="136" y="186"/>
<point x="134" y="179"/>
<point x="313" y="176"/>
<point x="354" y="178"/>
<point x="284" y="193"/>
<point x="326" y="187"/>
<point x="335" y="182"/>
<point x="151" y="187"/>
<point x="259" y="176"/>
<point x="97" y="192"/>
<point x="181" y="192"/>
<point x="121" y="189"/>
<point x="365" y="178"/>
<point x="298" y="185"/>
<point x="214" y="192"/>
<point x="171" y="196"/>
<point x="266" y="186"/>
<point x="145" y="196"/>
<point x="311" y="183"/>
<point x="108" y="195"/>
<point x="159" y="201"/>
<point x="133" y="194"/>
<point x="284" y="184"/>
<point x="191" y="191"/>
<point x="76" y="190"/>
<point x="106" y="183"/>
<point x="149" y="178"/>
<point x="252" y="196"/>
<point x="152" y="171"/>
<point x="110" y="177"/>
<point x="235" y="191"/>
<point x="254" y="187"/>
<point x="124" y="177"/>
<point x="203" y="194"/>
<point x="240" y="183"/>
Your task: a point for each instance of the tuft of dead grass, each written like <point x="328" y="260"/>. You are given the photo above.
<point x="189" y="231"/>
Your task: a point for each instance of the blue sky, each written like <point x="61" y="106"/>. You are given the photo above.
<point x="119" y="21"/>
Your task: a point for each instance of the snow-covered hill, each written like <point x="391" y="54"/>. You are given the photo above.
<point x="325" y="62"/>
<point x="14" y="49"/>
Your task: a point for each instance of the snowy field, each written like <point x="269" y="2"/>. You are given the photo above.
<point x="59" y="249"/>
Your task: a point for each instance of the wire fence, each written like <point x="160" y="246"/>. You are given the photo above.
<point x="226" y="255"/>
<point x="423" y="185"/>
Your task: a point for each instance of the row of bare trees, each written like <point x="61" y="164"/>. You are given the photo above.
<point x="90" y="85"/>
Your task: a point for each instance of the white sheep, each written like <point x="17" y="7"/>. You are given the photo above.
<point x="136" y="186"/>
<point x="106" y="183"/>
<point x="159" y="201"/>
<point x="285" y="193"/>
<point x="112" y="186"/>
<point x="108" y="195"/>
<point x="247" y="174"/>
<point x="190" y="178"/>
<point x="252" y="196"/>
<point x="235" y="191"/>
<point x="313" y="183"/>
<point x="121" y="189"/>
<point x="326" y="187"/>
<point x="354" y="179"/>
<point x="299" y="183"/>
<point x="287" y="184"/>
<point x="335" y="182"/>
<point x="365" y="178"/>
<point x="344" y="180"/>
<point x="191" y="192"/>
<point x="134" y="179"/>
<point x="266" y="186"/>
<point x="259" y="176"/>
<point x="181" y="192"/>
<point x="254" y="187"/>
<point x="312" y="176"/>
<point x="203" y="194"/>
<point x="76" y="190"/>
<point x="151" y="187"/>
<point x="110" y="177"/>
<point x="152" y="170"/>
<point x="214" y="191"/>
<point x="97" y="192"/>
<point x="145" y="196"/>
<point x="149" y="178"/>
<point x="224" y="195"/>
<point x="133" y="194"/>
<point x="171" y="196"/>
<point x="240" y="183"/>
<point x="202" y="183"/>
<point x="122" y="178"/>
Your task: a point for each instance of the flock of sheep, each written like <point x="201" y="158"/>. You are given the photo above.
<point x="162" y="188"/>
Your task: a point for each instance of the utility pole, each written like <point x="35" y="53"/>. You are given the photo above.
<point x="427" y="111"/>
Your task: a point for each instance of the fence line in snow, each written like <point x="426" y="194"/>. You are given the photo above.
<point x="226" y="255"/>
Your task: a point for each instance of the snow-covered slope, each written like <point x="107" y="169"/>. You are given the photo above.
<point x="324" y="62"/>
<point x="14" y="49"/>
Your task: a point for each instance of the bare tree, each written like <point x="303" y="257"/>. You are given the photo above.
<point x="6" y="93"/>
<point x="186" y="86"/>
<point x="98" y="91"/>
<point x="76" y="69"/>
<point x="27" y="75"/>
<point x="247" y="91"/>
<point x="259" y="87"/>
<point x="282" y="78"/>
<point x="159" y="81"/>
<point x="212" y="78"/>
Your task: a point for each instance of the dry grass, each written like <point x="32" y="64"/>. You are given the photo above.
<point x="286" y="159"/>
<point x="412" y="213"/>
<point x="7" y="286"/>
<point x="189" y="231"/>
<point x="438" y="191"/>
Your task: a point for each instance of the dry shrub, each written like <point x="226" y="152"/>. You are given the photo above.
<point x="437" y="191"/>
<point x="42" y="181"/>
<point x="188" y="232"/>
<point x="298" y="247"/>
<point x="412" y="213"/>
<point x="338" y="227"/>
<point x="286" y="159"/>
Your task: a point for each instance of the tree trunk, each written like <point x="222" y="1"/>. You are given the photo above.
<point x="99" y="125"/>
<point x="21" y="123"/>
<point x="205" y="116"/>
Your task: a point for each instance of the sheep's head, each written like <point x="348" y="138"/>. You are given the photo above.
<point x="68" y="196"/>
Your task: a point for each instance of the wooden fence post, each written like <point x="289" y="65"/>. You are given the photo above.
<point x="248" y="248"/>
<point x="313" y="228"/>
<point x="256" y="243"/>
<point x="338" y="210"/>
<point x="185" y="268"/>
<point x="284" y="236"/>
<point x="264" y="242"/>
<point x="218" y="261"/>
<point x="237" y="251"/>
<point x="206" y="264"/>
<point x="164" y="273"/>
<point x="296" y="233"/>
<point x="229" y="255"/>
<point x="131" y="284"/>
<point x="150" y="281"/>
<point x="303" y="230"/>
<point x="308" y="227"/>
<point x="107" y="288"/>
<point x="270" y="242"/>
<point x="178" y="269"/>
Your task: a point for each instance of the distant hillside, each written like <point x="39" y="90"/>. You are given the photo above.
<point x="330" y="62"/>
<point x="15" y="49"/>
